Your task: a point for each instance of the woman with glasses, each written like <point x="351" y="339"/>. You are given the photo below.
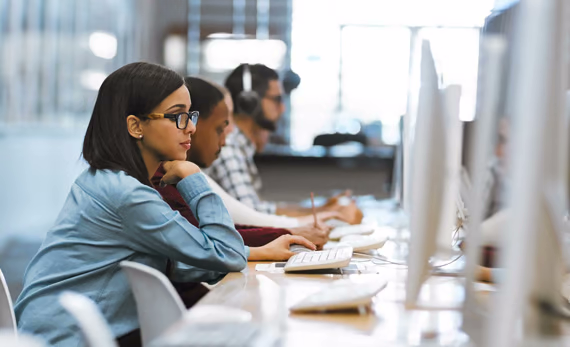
<point x="141" y="119"/>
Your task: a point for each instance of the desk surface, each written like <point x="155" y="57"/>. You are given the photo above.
<point x="387" y="321"/>
<point x="267" y="295"/>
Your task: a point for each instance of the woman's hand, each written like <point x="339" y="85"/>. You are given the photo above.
<point x="346" y="208"/>
<point x="177" y="170"/>
<point x="350" y="213"/>
<point x="333" y="202"/>
<point x="317" y="235"/>
<point x="278" y="249"/>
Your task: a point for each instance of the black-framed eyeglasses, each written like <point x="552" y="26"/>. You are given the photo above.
<point x="278" y="99"/>
<point x="181" y="119"/>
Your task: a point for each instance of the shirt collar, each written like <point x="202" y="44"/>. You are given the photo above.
<point x="243" y="141"/>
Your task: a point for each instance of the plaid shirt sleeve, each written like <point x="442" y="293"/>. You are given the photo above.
<point x="230" y="171"/>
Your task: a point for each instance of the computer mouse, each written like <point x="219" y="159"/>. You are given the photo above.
<point x="216" y="314"/>
<point x="295" y="248"/>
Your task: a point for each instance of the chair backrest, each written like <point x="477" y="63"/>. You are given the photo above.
<point x="7" y="318"/>
<point x="90" y="320"/>
<point x="158" y="304"/>
<point x="8" y="339"/>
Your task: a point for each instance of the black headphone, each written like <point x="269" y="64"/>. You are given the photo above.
<point x="248" y="101"/>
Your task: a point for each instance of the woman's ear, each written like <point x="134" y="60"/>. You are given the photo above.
<point x="134" y="126"/>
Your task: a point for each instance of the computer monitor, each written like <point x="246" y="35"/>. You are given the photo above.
<point x="492" y="54"/>
<point x="428" y="175"/>
<point x="408" y="129"/>
<point x="533" y="257"/>
<point x="398" y="169"/>
<point x="453" y="203"/>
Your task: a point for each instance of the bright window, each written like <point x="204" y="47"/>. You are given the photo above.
<point x="354" y="65"/>
<point x="456" y="53"/>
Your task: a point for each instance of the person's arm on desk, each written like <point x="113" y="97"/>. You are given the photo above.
<point x="484" y="274"/>
<point x="277" y="249"/>
<point x="489" y="274"/>
<point x="333" y="208"/>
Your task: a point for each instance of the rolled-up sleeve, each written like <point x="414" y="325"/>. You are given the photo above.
<point x="153" y="227"/>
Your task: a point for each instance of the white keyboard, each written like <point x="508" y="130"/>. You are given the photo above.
<point x="359" y="229"/>
<point x="316" y="260"/>
<point x="340" y="295"/>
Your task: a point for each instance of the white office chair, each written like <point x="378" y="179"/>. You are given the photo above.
<point x="90" y="320"/>
<point x="8" y="339"/>
<point x="7" y="318"/>
<point x="158" y="304"/>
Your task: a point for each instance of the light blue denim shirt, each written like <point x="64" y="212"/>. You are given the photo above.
<point x="109" y="217"/>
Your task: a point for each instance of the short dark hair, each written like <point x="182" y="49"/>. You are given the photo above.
<point x="205" y="96"/>
<point x="134" y="89"/>
<point x="260" y="77"/>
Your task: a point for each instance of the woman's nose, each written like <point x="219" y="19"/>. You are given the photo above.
<point x="191" y="128"/>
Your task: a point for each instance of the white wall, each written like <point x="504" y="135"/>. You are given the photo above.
<point x="36" y="171"/>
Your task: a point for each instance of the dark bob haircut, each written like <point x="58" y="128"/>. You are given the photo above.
<point x="134" y="89"/>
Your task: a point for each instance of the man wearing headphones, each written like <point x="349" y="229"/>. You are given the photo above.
<point x="257" y="95"/>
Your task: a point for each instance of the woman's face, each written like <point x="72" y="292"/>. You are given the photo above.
<point x="210" y="136"/>
<point x="161" y="138"/>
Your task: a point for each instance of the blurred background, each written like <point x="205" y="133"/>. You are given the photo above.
<point x="341" y="126"/>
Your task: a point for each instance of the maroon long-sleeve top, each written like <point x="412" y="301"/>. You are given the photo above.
<point x="252" y="236"/>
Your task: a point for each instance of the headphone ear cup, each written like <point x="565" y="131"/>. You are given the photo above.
<point x="248" y="103"/>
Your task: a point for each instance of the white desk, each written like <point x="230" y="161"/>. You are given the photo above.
<point x="387" y="323"/>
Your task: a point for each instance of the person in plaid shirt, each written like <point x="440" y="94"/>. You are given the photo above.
<point x="237" y="173"/>
<point x="255" y="117"/>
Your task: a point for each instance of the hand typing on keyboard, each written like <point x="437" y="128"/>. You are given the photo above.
<point x="279" y="249"/>
<point x="295" y="248"/>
